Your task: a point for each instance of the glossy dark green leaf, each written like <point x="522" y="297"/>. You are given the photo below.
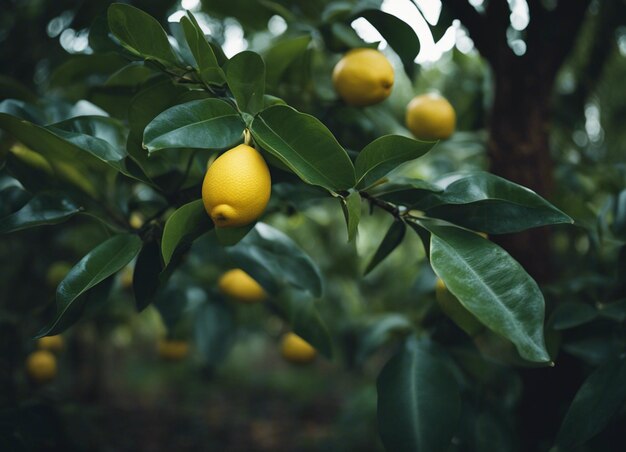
<point x="380" y="331"/>
<point x="281" y="55"/>
<point x="184" y="226"/>
<point x="571" y="314"/>
<point x="393" y="238"/>
<point x="305" y="146"/>
<point x="44" y="208"/>
<point x="200" y="124"/>
<point x="419" y="400"/>
<point x="399" y="35"/>
<point x="104" y="260"/>
<point x="146" y="280"/>
<point x="273" y="259"/>
<point x="246" y="79"/>
<point x="595" y="403"/>
<point x="104" y="138"/>
<point x="209" y="70"/>
<point x="352" y="211"/>
<point x="405" y="191"/>
<point x="12" y="199"/>
<point x="22" y="110"/>
<point x="232" y="236"/>
<point x="152" y="99"/>
<point x="140" y="33"/>
<point x="491" y="285"/>
<point x="214" y="332"/>
<point x="488" y="203"/>
<point x="58" y="144"/>
<point x="385" y="154"/>
<point x="304" y="318"/>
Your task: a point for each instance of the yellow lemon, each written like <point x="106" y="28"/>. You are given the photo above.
<point x="240" y="286"/>
<point x="363" y="77"/>
<point x="57" y="272"/>
<point x="51" y="343"/>
<point x="172" y="349"/>
<point x="430" y="117"/>
<point x="236" y="187"/>
<point x="453" y="308"/>
<point x="41" y="366"/>
<point x="296" y="350"/>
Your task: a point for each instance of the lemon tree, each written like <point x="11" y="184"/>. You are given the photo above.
<point x="204" y="158"/>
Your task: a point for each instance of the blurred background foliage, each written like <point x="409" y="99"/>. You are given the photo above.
<point x="234" y="392"/>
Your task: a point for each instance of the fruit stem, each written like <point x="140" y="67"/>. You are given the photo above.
<point x="247" y="137"/>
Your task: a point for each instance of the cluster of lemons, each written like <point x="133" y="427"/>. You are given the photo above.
<point x="41" y="365"/>
<point x="241" y="287"/>
<point x="237" y="185"/>
<point x="365" y="77"/>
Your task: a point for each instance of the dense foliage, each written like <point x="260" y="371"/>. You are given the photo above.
<point x="103" y="168"/>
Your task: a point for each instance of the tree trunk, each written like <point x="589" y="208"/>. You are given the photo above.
<point x="519" y="151"/>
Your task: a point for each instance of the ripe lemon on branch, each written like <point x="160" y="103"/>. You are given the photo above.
<point x="363" y="77"/>
<point x="236" y="187"/>
<point x="240" y="286"/>
<point x="41" y="366"/>
<point x="296" y="350"/>
<point x="430" y="117"/>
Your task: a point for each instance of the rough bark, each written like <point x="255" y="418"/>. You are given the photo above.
<point x="518" y="148"/>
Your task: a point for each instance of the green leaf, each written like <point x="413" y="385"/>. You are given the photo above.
<point x="104" y="260"/>
<point x="201" y="124"/>
<point x="381" y="331"/>
<point x="184" y="226"/>
<point x="214" y="332"/>
<point x="273" y="259"/>
<point x="399" y="35"/>
<point x="405" y="191"/>
<point x="232" y="236"/>
<point x="44" y="208"/>
<point x="140" y="33"/>
<point x="419" y="401"/>
<point x="385" y="154"/>
<point x="390" y="242"/>
<point x="352" y="210"/>
<point x="595" y="403"/>
<point x="146" y="280"/>
<point x="488" y="203"/>
<point x="571" y="314"/>
<point x="246" y="80"/>
<point x="104" y="138"/>
<point x="209" y="70"/>
<point x="280" y="56"/>
<point x="491" y="285"/>
<point x="305" y="145"/>
<point x="67" y="150"/>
